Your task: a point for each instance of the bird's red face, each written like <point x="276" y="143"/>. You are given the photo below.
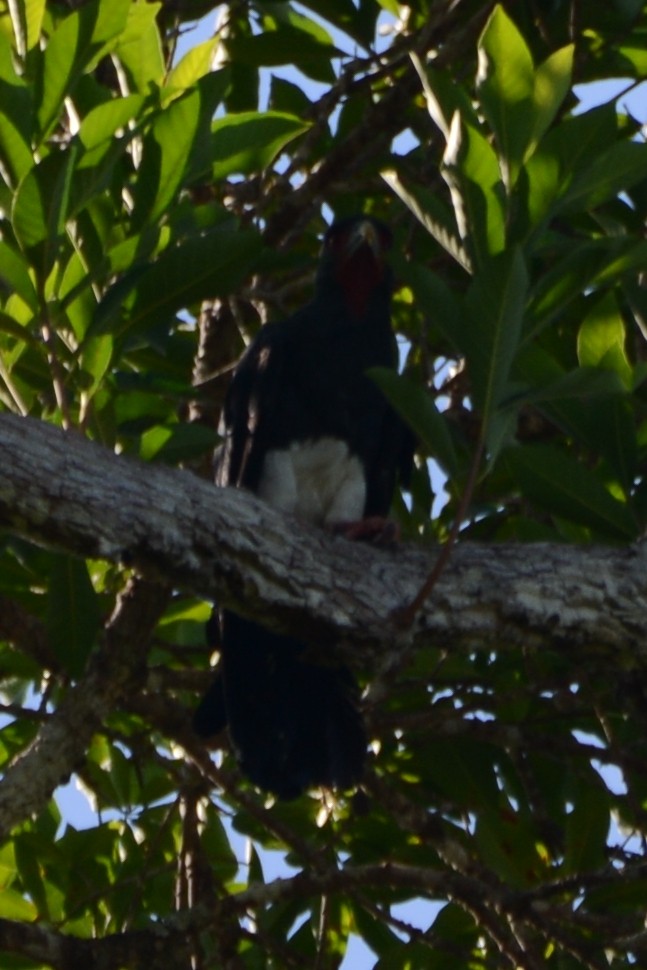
<point x="357" y="250"/>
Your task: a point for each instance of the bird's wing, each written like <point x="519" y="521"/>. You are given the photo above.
<point x="248" y="410"/>
<point x="392" y="460"/>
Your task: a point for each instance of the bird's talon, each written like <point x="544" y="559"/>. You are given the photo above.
<point x="375" y="529"/>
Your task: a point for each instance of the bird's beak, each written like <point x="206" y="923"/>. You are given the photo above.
<point x="365" y="234"/>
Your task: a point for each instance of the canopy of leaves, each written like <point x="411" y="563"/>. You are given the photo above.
<point x="159" y="198"/>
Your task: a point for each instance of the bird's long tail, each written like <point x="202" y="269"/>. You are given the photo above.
<point x="294" y="724"/>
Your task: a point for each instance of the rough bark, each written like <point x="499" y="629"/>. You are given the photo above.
<point x="179" y="531"/>
<point x="59" y="489"/>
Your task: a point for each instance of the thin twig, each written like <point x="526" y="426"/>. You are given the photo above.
<point x="405" y="616"/>
<point x="58" y="375"/>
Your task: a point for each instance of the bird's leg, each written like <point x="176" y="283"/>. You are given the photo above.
<point x="376" y="529"/>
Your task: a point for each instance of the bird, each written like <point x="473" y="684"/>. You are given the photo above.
<point x="305" y="428"/>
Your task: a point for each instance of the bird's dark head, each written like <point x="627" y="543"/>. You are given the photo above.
<point x="354" y="258"/>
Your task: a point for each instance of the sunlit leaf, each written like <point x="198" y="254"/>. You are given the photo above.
<point x="177" y="443"/>
<point x="43" y="200"/>
<point x="506" y="85"/>
<point x="601" y="339"/>
<point x="197" y="62"/>
<point x="247" y="142"/>
<point x="102" y="123"/>
<point x="16" y="98"/>
<point x="95" y="360"/>
<point x="16" y="907"/>
<point x="471" y="170"/>
<point x="166" y="153"/>
<point x="14" y="276"/>
<point x="551" y="85"/>
<point x="27" y="17"/>
<point x="139" y="47"/>
<point x="80" y="40"/>
<point x="433" y="215"/>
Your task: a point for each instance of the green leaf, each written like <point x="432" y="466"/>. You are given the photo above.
<point x="444" y="97"/>
<point x="75" y="295"/>
<point x="551" y="85"/>
<point x="506" y="85"/>
<point x="178" y="147"/>
<point x="18" y="330"/>
<point x="102" y="122"/>
<point x="16" y="117"/>
<point x="27" y="18"/>
<point x="375" y="932"/>
<point x="215" y="844"/>
<point x="495" y="304"/>
<point x="608" y="174"/>
<point x="16" y="907"/>
<point x="578" y="139"/>
<point x="550" y="382"/>
<point x="519" y="102"/>
<point x="543" y="184"/>
<point x="73" y="614"/>
<point x="418" y="409"/>
<point x="286" y="45"/>
<point x="29" y="215"/>
<point x="94" y="360"/>
<point x="432" y="214"/>
<point x="78" y="42"/>
<point x="197" y="62"/>
<point x="601" y="339"/>
<point x="587" y="828"/>
<point x="248" y="142"/>
<point x="14" y="276"/>
<point x="613" y="431"/>
<point x="166" y="153"/>
<point x="575" y="270"/>
<point x="32" y="871"/>
<point x="563" y="486"/>
<point x="464" y="771"/>
<point x="588" y="403"/>
<point x="139" y="47"/>
<point x="176" y="443"/>
<point x="8" y="867"/>
<point x="183" y="623"/>
<point x="441" y="307"/>
<point x="43" y="200"/>
<point x="202" y="267"/>
<point x="471" y="170"/>
<point x="507" y="842"/>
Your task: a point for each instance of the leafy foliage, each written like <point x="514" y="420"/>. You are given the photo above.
<point x="154" y="205"/>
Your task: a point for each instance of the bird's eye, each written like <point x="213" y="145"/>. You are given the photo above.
<point x="335" y="241"/>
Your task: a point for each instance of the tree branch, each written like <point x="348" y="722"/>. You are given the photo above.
<point x="57" y="488"/>
<point x="62" y="741"/>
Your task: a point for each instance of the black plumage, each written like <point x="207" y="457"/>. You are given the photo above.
<point x="306" y="429"/>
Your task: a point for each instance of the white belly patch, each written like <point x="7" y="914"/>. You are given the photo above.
<point x="318" y="480"/>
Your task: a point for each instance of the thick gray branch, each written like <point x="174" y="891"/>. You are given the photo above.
<point x="58" y="488"/>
